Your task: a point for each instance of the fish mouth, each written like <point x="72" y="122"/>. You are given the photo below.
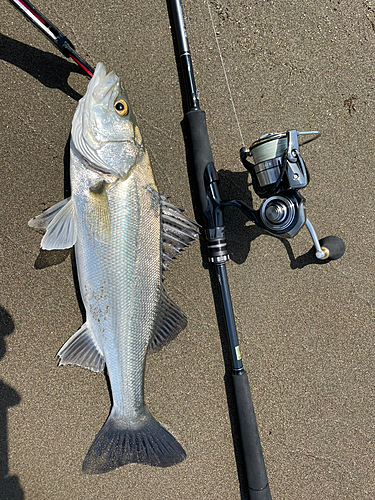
<point x="101" y="84"/>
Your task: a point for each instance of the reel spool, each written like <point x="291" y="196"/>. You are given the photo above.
<point x="278" y="165"/>
<point x="278" y="173"/>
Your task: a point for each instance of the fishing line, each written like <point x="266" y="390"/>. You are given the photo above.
<point x="225" y="73"/>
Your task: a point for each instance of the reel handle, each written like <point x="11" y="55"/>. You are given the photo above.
<point x="328" y="248"/>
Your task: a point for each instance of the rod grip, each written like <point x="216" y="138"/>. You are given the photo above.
<point x="201" y="150"/>
<point x="252" y="449"/>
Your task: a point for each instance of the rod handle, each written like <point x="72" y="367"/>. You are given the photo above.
<point x="201" y="150"/>
<point x="252" y="449"/>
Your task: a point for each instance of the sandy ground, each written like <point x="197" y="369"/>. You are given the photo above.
<point x="306" y="330"/>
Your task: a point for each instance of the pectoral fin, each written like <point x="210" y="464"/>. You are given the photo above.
<point x="98" y="214"/>
<point x="60" y="224"/>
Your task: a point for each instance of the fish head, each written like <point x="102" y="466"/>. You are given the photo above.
<point x="104" y="128"/>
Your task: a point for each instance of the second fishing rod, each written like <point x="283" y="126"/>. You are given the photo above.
<point x="205" y="183"/>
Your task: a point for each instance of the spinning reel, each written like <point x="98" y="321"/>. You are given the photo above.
<point x="278" y="173"/>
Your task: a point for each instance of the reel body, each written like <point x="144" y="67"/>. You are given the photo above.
<point x="278" y="173"/>
<point x="283" y="214"/>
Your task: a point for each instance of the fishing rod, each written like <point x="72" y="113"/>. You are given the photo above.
<point x="256" y="472"/>
<point x="278" y="173"/>
<point x="54" y="35"/>
<point x="206" y="184"/>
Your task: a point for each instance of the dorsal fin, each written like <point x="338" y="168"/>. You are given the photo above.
<point x="178" y="231"/>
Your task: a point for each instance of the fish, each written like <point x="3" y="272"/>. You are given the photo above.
<point x="125" y="234"/>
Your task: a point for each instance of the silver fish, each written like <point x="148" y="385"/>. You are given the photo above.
<point x="125" y="234"/>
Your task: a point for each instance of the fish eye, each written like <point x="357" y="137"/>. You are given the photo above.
<point x="121" y="107"/>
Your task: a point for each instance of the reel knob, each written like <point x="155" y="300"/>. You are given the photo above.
<point x="328" y="248"/>
<point x="333" y="247"/>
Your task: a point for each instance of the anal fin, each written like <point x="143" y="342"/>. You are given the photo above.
<point x="81" y="349"/>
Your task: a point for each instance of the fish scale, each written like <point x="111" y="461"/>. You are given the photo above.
<point x="125" y="235"/>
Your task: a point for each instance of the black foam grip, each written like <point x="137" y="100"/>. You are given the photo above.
<point x="201" y="150"/>
<point x="252" y="449"/>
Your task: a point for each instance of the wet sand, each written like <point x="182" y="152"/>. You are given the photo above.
<point x="306" y="329"/>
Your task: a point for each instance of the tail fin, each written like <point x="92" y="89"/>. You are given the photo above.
<point x="142" y="441"/>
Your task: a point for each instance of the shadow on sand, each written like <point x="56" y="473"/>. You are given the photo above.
<point x="52" y="71"/>
<point x="10" y="488"/>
